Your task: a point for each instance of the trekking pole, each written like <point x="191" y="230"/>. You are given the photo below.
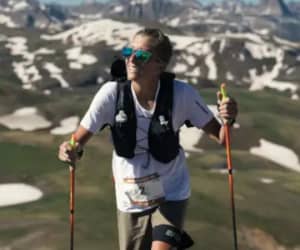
<point x="72" y="194"/>
<point x="230" y="170"/>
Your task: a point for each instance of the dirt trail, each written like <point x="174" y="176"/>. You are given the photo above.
<point x="257" y="239"/>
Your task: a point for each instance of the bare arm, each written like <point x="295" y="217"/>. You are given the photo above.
<point x="215" y="131"/>
<point x="82" y="135"/>
<point x="100" y="112"/>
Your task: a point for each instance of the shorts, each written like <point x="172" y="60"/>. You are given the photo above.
<point x="138" y="230"/>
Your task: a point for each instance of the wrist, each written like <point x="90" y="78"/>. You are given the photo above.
<point x="79" y="151"/>
<point x="231" y="121"/>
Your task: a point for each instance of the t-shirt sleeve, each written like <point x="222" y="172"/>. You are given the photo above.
<point x="102" y="108"/>
<point x="197" y="112"/>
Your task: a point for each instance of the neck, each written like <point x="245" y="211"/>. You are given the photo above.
<point x="145" y="91"/>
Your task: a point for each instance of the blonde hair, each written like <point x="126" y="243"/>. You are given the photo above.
<point x="161" y="43"/>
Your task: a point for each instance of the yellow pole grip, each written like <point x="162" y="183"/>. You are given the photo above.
<point x="223" y="91"/>
<point x="73" y="141"/>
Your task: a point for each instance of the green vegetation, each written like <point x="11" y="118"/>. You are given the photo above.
<point x="272" y="209"/>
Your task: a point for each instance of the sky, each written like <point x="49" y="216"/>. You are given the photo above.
<point x="74" y="2"/>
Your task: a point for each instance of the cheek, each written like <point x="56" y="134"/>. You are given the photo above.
<point x="155" y="68"/>
<point x="151" y="65"/>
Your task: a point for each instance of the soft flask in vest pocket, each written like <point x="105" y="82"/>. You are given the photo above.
<point x="163" y="141"/>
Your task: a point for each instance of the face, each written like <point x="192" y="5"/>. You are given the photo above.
<point x="137" y="68"/>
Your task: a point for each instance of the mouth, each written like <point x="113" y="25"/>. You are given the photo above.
<point x="132" y="69"/>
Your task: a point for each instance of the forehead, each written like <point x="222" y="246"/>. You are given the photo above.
<point x="142" y="42"/>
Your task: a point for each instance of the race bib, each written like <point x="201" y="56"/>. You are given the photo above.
<point x="144" y="191"/>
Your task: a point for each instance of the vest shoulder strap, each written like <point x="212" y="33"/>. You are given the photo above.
<point x="124" y="97"/>
<point x="124" y="126"/>
<point x="165" y="95"/>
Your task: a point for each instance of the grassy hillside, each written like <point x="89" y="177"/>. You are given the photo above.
<point x="267" y="214"/>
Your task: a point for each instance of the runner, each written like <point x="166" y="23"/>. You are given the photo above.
<point x="145" y="114"/>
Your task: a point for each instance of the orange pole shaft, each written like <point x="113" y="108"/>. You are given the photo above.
<point x="230" y="180"/>
<point x="72" y="205"/>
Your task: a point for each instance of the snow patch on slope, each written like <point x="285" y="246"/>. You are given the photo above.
<point x="26" y="119"/>
<point x="278" y="154"/>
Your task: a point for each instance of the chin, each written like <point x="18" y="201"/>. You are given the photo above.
<point x="132" y="76"/>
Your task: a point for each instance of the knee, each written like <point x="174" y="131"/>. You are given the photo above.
<point x="160" y="245"/>
<point x="172" y="237"/>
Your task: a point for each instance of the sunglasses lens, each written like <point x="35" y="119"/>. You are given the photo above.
<point x="142" y="55"/>
<point x="139" y="54"/>
<point x="127" y="52"/>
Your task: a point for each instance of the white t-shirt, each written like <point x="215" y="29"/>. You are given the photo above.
<point x="142" y="182"/>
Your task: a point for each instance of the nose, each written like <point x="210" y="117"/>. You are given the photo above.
<point x="132" y="58"/>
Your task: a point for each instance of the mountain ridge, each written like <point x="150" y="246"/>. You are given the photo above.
<point x="210" y="45"/>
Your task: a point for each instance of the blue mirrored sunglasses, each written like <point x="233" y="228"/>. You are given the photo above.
<point x="140" y="55"/>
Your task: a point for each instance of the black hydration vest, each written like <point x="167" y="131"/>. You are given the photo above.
<point x="163" y="141"/>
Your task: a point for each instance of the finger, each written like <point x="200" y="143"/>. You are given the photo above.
<point x="65" y="146"/>
<point x="231" y="113"/>
<point x="64" y="157"/>
<point x="66" y="154"/>
<point x="219" y="96"/>
<point x="228" y="100"/>
<point x="228" y="113"/>
<point x="231" y="110"/>
<point x="226" y="104"/>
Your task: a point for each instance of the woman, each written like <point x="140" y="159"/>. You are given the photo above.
<point x="145" y="114"/>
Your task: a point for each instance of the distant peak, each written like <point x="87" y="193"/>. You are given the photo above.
<point x="276" y="8"/>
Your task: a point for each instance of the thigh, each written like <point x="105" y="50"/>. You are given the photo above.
<point x="170" y="213"/>
<point x="135" y="231"/>
<point x="167" y="223"/>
